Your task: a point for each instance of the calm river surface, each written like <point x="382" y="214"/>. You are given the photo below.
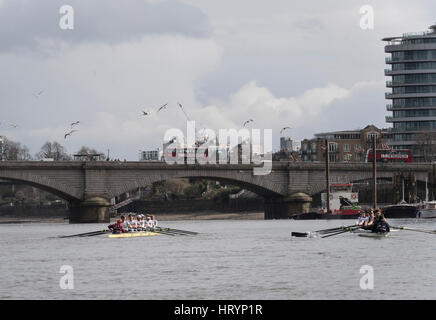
<point x="230" y="259"/>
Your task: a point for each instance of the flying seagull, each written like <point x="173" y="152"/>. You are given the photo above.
<point x="162" y="107"/>
<point x="283" y="129"/>
<point x="145" y="113"/>
<point x="36" y="95"/>
<point x="69" y="133"/>
<point x="248" y="121"/>
<point x="75" y="123"/>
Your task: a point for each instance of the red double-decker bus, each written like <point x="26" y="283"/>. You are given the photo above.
<point x="390" y="155"/>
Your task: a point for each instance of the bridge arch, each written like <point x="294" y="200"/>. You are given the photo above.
<point x="348" y="178"/>
<point x="255" y="184"/>
<point x="53" y="186"/>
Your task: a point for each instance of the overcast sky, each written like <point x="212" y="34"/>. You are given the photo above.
<point x="304" y="64"/>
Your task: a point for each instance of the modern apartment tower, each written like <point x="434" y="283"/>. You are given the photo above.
<point x="413" y="95"/>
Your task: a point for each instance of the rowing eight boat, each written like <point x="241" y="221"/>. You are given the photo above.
<point x="134" y="234"/>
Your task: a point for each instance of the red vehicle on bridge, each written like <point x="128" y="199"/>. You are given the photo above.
<point x="390" y="155"/>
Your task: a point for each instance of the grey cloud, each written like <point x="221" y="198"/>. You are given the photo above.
<point x="35" y="24"/>
<point x="310" y="24"/>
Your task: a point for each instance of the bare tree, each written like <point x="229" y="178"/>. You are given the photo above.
<point x="15" y="151"/>
<point x="426" y="145"/>
<point x="53" y="150"/>
<point x="91" y="152"/>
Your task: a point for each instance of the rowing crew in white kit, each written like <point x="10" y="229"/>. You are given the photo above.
<point x="141" y="222"/>
<point x="131" y="224"/>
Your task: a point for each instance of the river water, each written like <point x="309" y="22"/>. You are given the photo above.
<point x="229" y="259"/>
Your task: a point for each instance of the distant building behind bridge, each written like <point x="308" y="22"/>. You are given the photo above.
<point x="286" y="144"/>
<point x="289" y="150"/>
<point x="85" y="157"/>
<point x="150" y="155"/>
<point x="344" y="146"/>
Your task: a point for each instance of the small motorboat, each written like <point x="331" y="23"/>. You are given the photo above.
<point x="428" y="210"/>
<point x="400" y="210"/>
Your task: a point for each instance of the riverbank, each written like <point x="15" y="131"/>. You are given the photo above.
<point x="162" y="217"/>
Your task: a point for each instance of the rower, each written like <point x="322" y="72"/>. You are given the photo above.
<point x="118" y="226"/>
<point x="125" y="223"/>
<point x="369" y="224"/>
<point x="141" y="221"/>
<point x="363" y="218"/>
<point x="360" y="218"/>
<point x="153" y="219"/>
<point x="380" y="223"/>
<point x="149" y="222"/>
<point x="138" y="221"/>
<point x="132" y="223"/>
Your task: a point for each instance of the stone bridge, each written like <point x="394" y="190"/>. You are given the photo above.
<point x="89" y="186"/>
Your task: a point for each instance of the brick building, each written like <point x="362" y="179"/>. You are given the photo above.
<point x="344" y="146"/>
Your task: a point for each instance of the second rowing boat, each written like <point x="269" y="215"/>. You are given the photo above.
<point x="369" y="233"/>
<point x="374" y="235"/>
<point x="366" y="231"/>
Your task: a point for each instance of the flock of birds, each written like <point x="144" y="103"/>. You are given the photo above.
<point x="67" y="134"/>
<point x="144" y="113"/>
<point x="14" y="125"/>
<point x="147" y="113"/>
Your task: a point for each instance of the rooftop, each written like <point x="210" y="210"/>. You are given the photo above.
<point x="431" y="31"/>
<point x="337" y="132"/>
<point x="355" y="131"/>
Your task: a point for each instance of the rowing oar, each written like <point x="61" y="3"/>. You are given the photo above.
<point x="174" y="233"/>
<point x="334" y="229"/>
<point x="314" y="233"/>
<point x="97" y="234"/>
<point x="179" y="231"/>
<point x="162" y="232"/>
<point x="93" y="233"/>
<point x="414" y="229"/>
<point x="348" y="229"/>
